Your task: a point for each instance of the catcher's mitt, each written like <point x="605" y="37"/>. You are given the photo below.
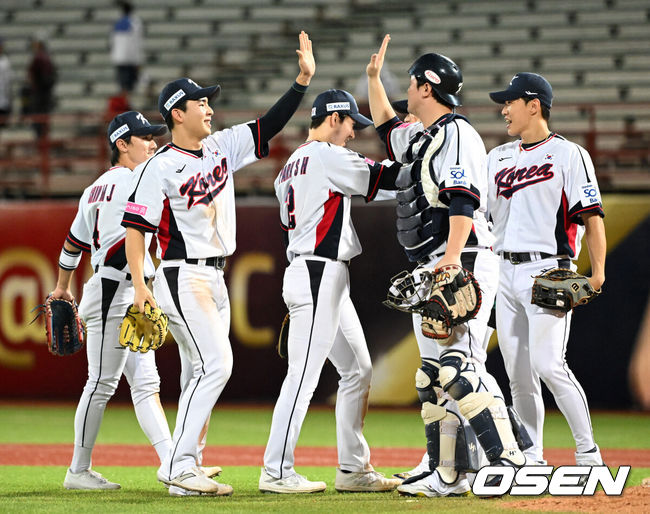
<point x="445" y="297"/>
<point x="65" y="331"/>
<point x="562" y="289"/>
<point x="283" y="338"/>
<point x="143" y="331"/>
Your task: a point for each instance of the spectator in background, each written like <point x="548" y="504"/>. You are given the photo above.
<point x="5" y="86"/>
<point x="41" y="78"/>
<point x="127" y="47"/>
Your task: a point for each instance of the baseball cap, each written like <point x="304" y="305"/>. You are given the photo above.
<point x="337" y="100"/>
<point x="401" y="106"/>
<point x="132" y="123"/>
<point x="526" y="84"/>
<point x="180" y="89"/>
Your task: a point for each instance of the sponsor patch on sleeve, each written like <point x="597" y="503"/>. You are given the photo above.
<point x="589" y="195"/>
<point x="135" y="208"/>
<point x="456" y="177"/>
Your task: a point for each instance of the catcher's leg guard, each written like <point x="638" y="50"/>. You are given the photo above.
<point x="440" y="425"/>
<point x="486" y="414"/>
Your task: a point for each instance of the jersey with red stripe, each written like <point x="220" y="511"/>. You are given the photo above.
<point x="96" y="227"/>
<point x="449" y="159"/>
<point x="537" y="195"/>
<point x="314" y="189"/>
<point x="188" y="197"/>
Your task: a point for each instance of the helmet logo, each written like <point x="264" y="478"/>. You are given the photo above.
<point x="460" y="86"/>
<point x="432" y="76"/>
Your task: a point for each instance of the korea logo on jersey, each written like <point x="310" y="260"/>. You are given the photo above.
<point x="458" y="177"/>
<point x="201" y="189"/>
<point x="590" y="195"/>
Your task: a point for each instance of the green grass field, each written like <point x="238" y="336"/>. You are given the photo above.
<point x="39" y="489"/>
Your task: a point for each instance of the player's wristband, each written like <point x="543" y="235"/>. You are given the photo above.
<point x="69" y="260"/>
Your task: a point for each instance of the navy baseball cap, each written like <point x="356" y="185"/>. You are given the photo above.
<point x="530" y="85"/>
<point x="337" y="100"/>
<point x="132" y="123"/>
<point x="181" y="89"/>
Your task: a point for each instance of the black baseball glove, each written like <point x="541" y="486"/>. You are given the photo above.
<point x="65" y="331"/>
<point x="562" y="289"/>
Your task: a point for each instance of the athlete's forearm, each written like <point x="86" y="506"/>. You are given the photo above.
<point x="135" y="250"/>
<point x="380" y="108"/>
<point x="459" y="229"/>
<point x="597" y="246"/>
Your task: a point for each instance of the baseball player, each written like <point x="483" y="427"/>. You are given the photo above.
<point x="185" y="193"/>
<point x="543" y="196"/>
<point x="314" y="189"/>
<point x="106" y="296"/>
<point x="441" y="221"/>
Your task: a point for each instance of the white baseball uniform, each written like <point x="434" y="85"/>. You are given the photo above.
<point x="314" y="189"/>
<point x="537" y="194"/>
<point x="106" y="296"/>
<point x="188" y="198"/>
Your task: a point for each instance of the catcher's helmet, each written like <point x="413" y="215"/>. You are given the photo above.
<point x="442" y="73"/>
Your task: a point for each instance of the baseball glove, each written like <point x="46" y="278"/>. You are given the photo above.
<point x="283" y="338"/>
<point x="562" y="289"/>
<point x="143" y="331"/>
<point x="65" y="331"/>
<point x="455" y="298"/>
<point x="445" y="297"/>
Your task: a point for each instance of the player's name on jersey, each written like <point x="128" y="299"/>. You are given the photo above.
<point x="294" y="168"/>
<point x="98" y="193"/>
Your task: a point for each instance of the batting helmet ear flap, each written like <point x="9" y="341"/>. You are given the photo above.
<point x="442" y="74"/>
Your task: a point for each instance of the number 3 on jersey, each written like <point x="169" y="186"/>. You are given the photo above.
<point x="291" y="207"/>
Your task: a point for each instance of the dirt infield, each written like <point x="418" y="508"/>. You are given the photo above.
<point x="144" y="455"/>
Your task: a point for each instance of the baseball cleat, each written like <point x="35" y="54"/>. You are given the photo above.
<point x="364" y="482"/>
<point x="88" y="479"/>
<point x="422" y="467"/>
<point x="432" y="486"/>
<point x="294" y="484"/>
<point x="193" y="479"/>
<point x="211" y="471"/>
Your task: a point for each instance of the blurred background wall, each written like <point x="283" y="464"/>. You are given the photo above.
<point x="596" y="54"/>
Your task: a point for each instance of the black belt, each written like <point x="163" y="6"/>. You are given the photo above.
<point x="214" y="262"/>
<point x="519" y="257"/>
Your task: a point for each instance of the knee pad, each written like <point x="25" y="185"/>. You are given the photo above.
<point x="426" y="378"/>
<point x="490" y="421"/>
<point x="457" y="375"/>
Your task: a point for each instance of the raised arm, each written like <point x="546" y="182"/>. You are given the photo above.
<point x="380" y="108"/>
<point x="278" y="115"/>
